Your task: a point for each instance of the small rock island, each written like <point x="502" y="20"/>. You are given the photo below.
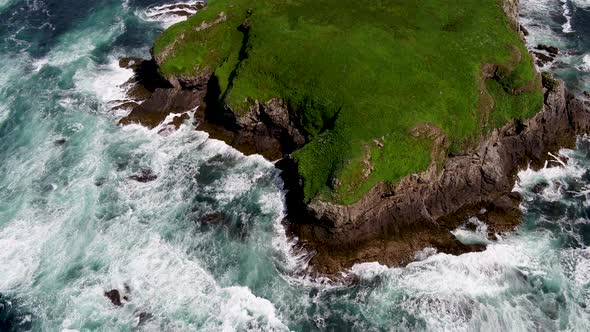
<point x="393" y="121"/>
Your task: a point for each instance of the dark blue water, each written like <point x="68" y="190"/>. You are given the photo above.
<point x="565" y="24"/>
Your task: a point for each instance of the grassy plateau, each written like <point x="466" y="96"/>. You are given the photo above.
<point x="362" y="75"/>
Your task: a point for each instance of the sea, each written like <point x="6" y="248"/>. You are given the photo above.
<point x="202" y="246"/>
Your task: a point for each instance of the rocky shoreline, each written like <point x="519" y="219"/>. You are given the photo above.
<point x="391" y="223"/>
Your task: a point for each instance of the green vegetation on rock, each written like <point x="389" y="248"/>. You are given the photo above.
<point x="549" y="82"/>
<point x="363" y="75"/>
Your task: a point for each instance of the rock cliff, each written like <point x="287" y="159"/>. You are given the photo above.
<point x="391" y="223"/>
<point x="269" y="128"/>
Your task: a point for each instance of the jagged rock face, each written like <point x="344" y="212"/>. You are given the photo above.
<point x="511" y="9"/>
<point x="161" y="103"/>
<point x="391" y="223"/>
<point x="271" y="129"/>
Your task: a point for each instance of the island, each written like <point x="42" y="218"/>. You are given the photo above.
<point x="393" y="121"/>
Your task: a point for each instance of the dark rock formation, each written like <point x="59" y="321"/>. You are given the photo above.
<point x="146" y="175"/>
<point x="154" y="97"/>
<point x="550" y="49"/>
<point x="124" y="105"/>
<point x="114" y="296"/>
<point x="271" y="129"/>
<point x="161" y="103"/>
<point x="542" y="58"/>
<point x="391" y="223"/>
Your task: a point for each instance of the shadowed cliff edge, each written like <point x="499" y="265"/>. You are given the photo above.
<point x="390" y="223"/>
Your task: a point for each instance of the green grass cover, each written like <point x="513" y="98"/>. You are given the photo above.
<point x="362" y="74"/>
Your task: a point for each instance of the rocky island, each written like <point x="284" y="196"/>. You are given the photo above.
<point x="393" y="121"/>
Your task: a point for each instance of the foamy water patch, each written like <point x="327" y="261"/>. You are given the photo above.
<point x="476" y="236"/>
<point x="115" y="237"/>
<point x="171" y="13"/>
<point x="18" y="270"/>
<point x="447" y="292"/>
<point x="103" y="81"/>
<point x="585" y="63"/>
<point x="581" y="3"/>
<point x="551" y="178"/>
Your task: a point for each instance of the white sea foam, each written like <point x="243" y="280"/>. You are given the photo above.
<point x="585" y="63"/>
<point x="40" y="63"/>
<point x="103" y="81"/>
<point x="477" y="236"/>
<point x="454" y="292"/>
<point x="425" y="253"/>
<point x="167" y="14"/>
<point x="567" y="26"/>
<point x="553" y="173"/>
<point x="370" y="270"/>
<point x="18" y="270"/>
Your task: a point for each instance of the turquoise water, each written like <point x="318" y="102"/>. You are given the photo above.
<point x="202" y="246"/>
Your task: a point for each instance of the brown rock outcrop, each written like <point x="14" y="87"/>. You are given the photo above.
<point x="162" y="102"/>
<point x="270" y="129"/>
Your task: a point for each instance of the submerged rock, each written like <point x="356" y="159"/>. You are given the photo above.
<point x="542" y="58"/>
<point x="114" y="296"/>
<point x="143" y="317"/>
<point x="60" y="141"/>
<point x="146" y="175"/>
<point x="551" y="49"/>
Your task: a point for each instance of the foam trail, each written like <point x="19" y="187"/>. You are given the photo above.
<point x="172" y="13"/>
<point x="567" y="26"/>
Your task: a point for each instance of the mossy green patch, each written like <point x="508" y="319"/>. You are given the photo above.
<point x="359" y="72"/>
